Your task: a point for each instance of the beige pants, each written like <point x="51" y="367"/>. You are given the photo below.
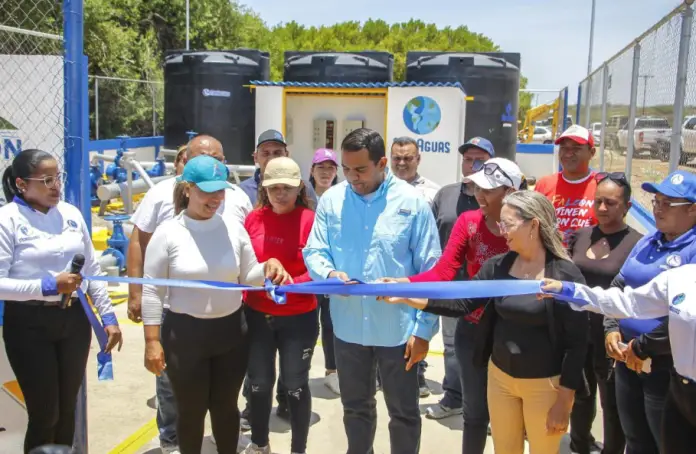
<point x="519" y="404"/>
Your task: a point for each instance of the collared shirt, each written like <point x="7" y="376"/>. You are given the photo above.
<point x="158" y="206"/>
<point x="251" y="187"/>
<point x="390" y="233"/>
<point x="426" y="187"/>
<point x="35" y="247"/>
<point x="670" y="294"/>
<point x="650" y="257"/>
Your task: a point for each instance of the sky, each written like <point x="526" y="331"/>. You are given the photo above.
<point x="552" y="35"/>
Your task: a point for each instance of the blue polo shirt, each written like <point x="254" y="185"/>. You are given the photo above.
<point x="251" y="187"/>
<point x="650" y="257"/>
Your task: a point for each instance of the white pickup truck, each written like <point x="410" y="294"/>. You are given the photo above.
<point x="688" y="143"/>
<point x="648" y="132"/>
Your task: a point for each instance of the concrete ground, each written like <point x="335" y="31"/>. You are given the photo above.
<point x="121" y="412"/>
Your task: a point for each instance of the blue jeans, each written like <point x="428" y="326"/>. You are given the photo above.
<point x="474" y="390"/>
<point x="357" y="369"/>
<point x="293" y="337"/>
<point x="166" y="408"/>
<point x="641" y="401"/>
<point x="452" y="383"/>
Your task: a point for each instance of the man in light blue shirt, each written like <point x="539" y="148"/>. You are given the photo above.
<point x="370" y="226"/>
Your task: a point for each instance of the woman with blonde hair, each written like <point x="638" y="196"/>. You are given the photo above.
<point x="279" y="227"/>
<point x="535" y="352"/>
<point x="204" y="333"/>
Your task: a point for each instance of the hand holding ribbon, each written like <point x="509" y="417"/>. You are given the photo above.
<point x="416" y="303"/>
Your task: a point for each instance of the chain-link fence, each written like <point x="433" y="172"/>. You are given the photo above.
<point x="125" y="107"/>
<point x="31" y="71"/>
<point x="634" y="104"/>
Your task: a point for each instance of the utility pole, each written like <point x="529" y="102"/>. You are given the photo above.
<point x="589" y="54"/>
<point x="188" y="16"/>
<point x="645" y="78"/>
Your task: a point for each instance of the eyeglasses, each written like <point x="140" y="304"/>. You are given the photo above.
<point x="661" y="204"/>
<point x="473" y="161"/>
<point x="490" y="168"/>
<point x="616" y="177"/>
<point x="50" y="180"/>
<point x="505" y="228"/>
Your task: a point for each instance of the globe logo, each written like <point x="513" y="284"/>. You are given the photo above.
<point x="422" y="115"/>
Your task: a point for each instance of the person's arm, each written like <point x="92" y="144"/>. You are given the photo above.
<point x="13" y="289"/>
<point x="654" y="343"/>
<point x="97" y="291"/>
<point x="144" y="222"/>
<point x="452" y="259"/>
<point x="425" y="246"/>
<point x="317" y="253"/>
<point x="307" y="220"/>
<point x="648" y="301"/>
<point x="156" y="267"/>
<point x="464" y="306"/>
<point x="251" y="272"/>
<point x="574" y="339"/>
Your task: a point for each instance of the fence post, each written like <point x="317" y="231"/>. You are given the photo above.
<point x="605" y="96"/>
<point x="75" y="149"/>
<point x="588" y="97"/>
<point x="564" y="123"/>
<point x="630" y="144"/>
<point x="680" y="90"/>
<point x="579" y="104"/>
<point x="96" y="108"/>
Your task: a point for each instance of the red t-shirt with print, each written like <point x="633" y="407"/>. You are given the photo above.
<point x="573" y="201"/>
<point x="470" y="240"/>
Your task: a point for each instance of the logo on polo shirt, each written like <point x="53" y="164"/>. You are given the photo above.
<point x="679" y="299"/>
<point x="72" y="224"/>
<point x="674" y="261"/>
<point x="677" y="179"/>
<point x="24" y="230"/>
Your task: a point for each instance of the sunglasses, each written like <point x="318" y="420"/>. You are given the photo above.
<point x="616" y="177"/>
<point x="489" y="169"/>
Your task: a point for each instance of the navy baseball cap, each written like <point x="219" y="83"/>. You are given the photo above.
<point x="270" y="135"/>
<point x="209" y="174"/>
<point x="479" y="142"/>
<point x="678" y="185"/>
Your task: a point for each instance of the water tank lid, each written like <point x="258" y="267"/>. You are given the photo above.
<point x="339" y="59"/>
<point x="476" y="60"/>
<point x="210" y="57"/>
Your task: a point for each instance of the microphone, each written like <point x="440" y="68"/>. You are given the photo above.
<point x="75" y="267"/>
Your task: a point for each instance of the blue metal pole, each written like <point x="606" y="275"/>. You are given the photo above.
<point x="74" y="157"/>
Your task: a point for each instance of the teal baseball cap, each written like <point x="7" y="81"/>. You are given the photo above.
<point x="209" y="174"/>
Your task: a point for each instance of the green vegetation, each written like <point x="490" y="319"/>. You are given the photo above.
<point x="128" y="39"/>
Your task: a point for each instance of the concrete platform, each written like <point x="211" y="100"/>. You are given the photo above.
<point x="121" y="412"/>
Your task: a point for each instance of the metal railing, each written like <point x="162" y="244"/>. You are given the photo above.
<point x="639" y="102"/>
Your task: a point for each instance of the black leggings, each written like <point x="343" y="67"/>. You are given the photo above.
<point x="47" y="348"/>
<point x="206" y="362"/>
<point x="679" y="417"/>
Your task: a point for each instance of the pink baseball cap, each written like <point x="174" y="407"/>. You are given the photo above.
<point x="323" y="155"/>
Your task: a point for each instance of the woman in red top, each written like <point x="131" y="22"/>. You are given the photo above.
<point x="279" y="227"/>
<point x="475" y="238"/>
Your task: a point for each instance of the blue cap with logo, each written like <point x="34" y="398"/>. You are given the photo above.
<point x="209" y="174"/>
<point x="479" y="142"/>
<point x="679" y="185"/>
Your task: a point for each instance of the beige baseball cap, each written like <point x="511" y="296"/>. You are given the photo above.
<point x="282" y="170"/>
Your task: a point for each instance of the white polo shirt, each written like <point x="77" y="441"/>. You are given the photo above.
<point x="427" y="188"/>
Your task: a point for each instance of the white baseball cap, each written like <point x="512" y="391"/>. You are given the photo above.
<point x="495" y="173"/>
<point x="577" y="134"/>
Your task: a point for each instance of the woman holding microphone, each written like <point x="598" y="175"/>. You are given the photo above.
<point x="670" y="294"/>
<point x="204" y="333"/>
<point x="47" y="337"/>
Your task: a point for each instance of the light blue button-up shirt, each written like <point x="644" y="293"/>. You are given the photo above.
<point x="390" y="233"/>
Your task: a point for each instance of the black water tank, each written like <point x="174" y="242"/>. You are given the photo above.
<point x="492" y="78"/>
<point x="204" y="91"/>
<point x="338" y="67"/>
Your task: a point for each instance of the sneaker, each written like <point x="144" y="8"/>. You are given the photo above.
<point x="242" y="443"/>
<point x="244" y="424"/>
<point x="423" y="388"/>
<point x="253" y="449"/>
<point x="331" y="382"/>
<point x="440" y="411"/>
<point x="283" y="412"/>
<point x="170" y="450"/>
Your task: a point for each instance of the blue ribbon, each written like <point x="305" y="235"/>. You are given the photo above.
<point x="105" y="370"/>
<point x="432" y="290"/>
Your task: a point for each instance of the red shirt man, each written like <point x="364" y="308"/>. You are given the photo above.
<point x="572" y="190"/>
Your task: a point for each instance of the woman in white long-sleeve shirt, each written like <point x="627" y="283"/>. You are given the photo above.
<point x="204" y="334"/>
<point x="673" y="294"/>
<point x="47" y="342"/>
